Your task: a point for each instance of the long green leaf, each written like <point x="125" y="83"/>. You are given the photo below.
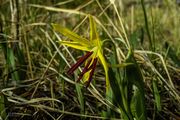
<point x="117" y="91"/>
<point x="12" y="64"/>
<point x="156" y="95"/>
<point x="151" y="46"/>
<point x="117" y="96"/>
<point x="80" y="98"/>
<point x="3" y="113"/>
<point x="134" y="77"/>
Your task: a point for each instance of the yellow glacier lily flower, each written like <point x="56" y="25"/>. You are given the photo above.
<point x="93" y="46"/>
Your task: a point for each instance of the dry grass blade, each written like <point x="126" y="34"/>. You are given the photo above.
<point x="59" y="9"/>
<point x="170" y="85"/>
<point x="70" y="113"/>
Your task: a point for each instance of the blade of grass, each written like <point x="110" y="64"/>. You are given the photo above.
<point x="169" y="84"/>
<point x="151" y="46"/>
<point x="12" y="64"/>
<point x="70" y="11"/>
<point x="172" y="54"/>
<point x="157" y="95"/>
<point x="3" y="113"/>
<point x="80" y="96"/>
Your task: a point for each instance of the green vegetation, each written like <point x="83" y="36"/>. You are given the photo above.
<point x="125" y="65"/>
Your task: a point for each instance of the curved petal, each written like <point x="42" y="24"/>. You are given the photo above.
<point x="75" y="45"/>
<point x="103" y="62"/>
<point x="73" y="36"/>
<point x="93" y="31"/>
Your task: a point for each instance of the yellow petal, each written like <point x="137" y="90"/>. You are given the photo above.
<point x="73" y="36"/>
<point x="86" y="76"/>
<point x="103" y="62"/>
<point x="93" y="31"/>
<point x="75" y="45"/>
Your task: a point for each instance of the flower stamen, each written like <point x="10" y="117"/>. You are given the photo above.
<point x="79" y="62"/>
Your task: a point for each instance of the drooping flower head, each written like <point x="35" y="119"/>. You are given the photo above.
<point x="93" y="47"/>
